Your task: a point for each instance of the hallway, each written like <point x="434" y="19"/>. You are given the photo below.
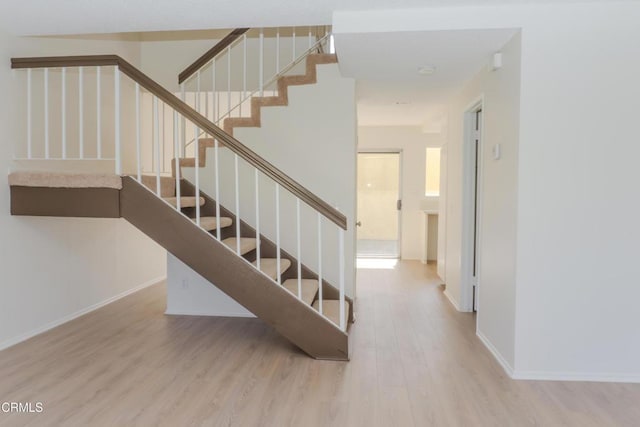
<point x="415" y="362"/>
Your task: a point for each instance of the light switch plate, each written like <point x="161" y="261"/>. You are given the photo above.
<point x="496" y="152"/>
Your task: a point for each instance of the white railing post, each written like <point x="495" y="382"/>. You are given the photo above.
<point x="98" y="113"/>
<point x="237" y="204"/>
<point x="116" y="77"/>
<point x="138" y="149"/>
<point x="341" y="278"/>
<point x="156" y="146"/>
<point x="81" y="112"/>
<point x="320" y="263"/>
<point x="257" y="219"/>
<point x="261" y="67"/>
<point x="46" y="113"/>
<point x="310" y="39"/>
<point x="299" y="247"/>
<point x="29" y="137"/>
<point x="176" y="160"/>
<point x="217" y="166"/>
<point x="278" y="233"/>
<point x="63" y="112"/>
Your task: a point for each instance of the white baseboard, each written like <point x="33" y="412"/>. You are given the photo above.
<point x="210" y="314"/>
<point x="508" y="369"/>
<point x="576" y="376"/>
<point x="20" y="338"/>
<point x="451" y="300"/>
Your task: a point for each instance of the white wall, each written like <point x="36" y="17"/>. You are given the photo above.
<point x="413" y="143"/>
<point x="56" y="268"/>
<point x="576" y="281"/>
<point x="313" y="140"/>
<point x="188" y="293"/>
<point x="578" y="287"/>
<point x="497" y="206"/>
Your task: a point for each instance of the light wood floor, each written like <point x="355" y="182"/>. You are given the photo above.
<point x="415" y="362"/>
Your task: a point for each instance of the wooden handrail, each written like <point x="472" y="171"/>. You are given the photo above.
<point x="211" y="53"/>
<point x="202" y="122"/>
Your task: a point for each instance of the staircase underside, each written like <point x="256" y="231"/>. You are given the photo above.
<point x="212" y="259"/>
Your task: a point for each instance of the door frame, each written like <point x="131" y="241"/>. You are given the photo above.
<point x="400" y="193"/>
<point x="472" y="207"/>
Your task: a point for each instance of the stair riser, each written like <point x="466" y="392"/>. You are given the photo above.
<point x="268" y="248"/>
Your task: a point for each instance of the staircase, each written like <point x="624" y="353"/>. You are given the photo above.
<point x="212" y="239"/>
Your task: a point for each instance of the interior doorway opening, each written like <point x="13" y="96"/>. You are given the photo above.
<point x="472" y="208"/>
<point x="379" y="204"/>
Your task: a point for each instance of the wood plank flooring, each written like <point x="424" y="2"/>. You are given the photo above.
<point x="415" y="362"/>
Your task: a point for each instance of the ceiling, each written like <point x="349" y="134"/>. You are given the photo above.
<point x="50" y="17"/>
<point x="390" y="90"/>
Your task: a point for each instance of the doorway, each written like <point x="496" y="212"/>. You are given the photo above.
<point x="379" y="204"/>
<point x="472" y="209"/>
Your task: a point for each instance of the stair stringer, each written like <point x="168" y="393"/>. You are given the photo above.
<point x="233" y="275"/>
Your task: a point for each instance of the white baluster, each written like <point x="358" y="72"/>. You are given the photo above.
<point x="277" y="50"/>
<point x="214" y="101"/>
<point x="183" y="124"/>
<point x="29" y="108"/>
<point x="81" y="112"/>
<point x="237" y="205"/>
<point x="244" y="72"/>
<point x="197" y="156"/>
<point x="257" y="219"/>
<point x="278" y="233"/>
<point x="98" y="113"/>
<point x="310" y="39"/>
<point x="229" y="80"/>
<point x="156" y="145"/>
<point x="320" y="301"/>
<point x="46" y="113"/>
<point x="341" y="269"/>
<point x="217" y="164"/>
<point x="299" y="237"/>
<point x="163" y="150"/>
<point x="63" y="112"/>
<point x="116" y="78"/>
<point x="138" y="149"/>
<point x="293" y="45"/>
<point x="176" y="155"/>
<point x="261" y="68"/>
<point x="196" y="100"/>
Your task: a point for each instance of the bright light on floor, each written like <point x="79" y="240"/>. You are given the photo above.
<point x="376" y="263"/>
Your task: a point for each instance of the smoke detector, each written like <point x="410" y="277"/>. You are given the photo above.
<point x="426" y="70"/>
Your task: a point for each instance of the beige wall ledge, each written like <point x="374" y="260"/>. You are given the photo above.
<point x="65" y="180"/>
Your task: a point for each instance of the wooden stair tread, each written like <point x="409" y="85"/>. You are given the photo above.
<point x="247" y="244"/>
<point x="331" y="309"/>
<point x="269" y="266"/>
<point x="185" y="202"/>
<point x="309" y="289"/>
<point x="210" y="223"/>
